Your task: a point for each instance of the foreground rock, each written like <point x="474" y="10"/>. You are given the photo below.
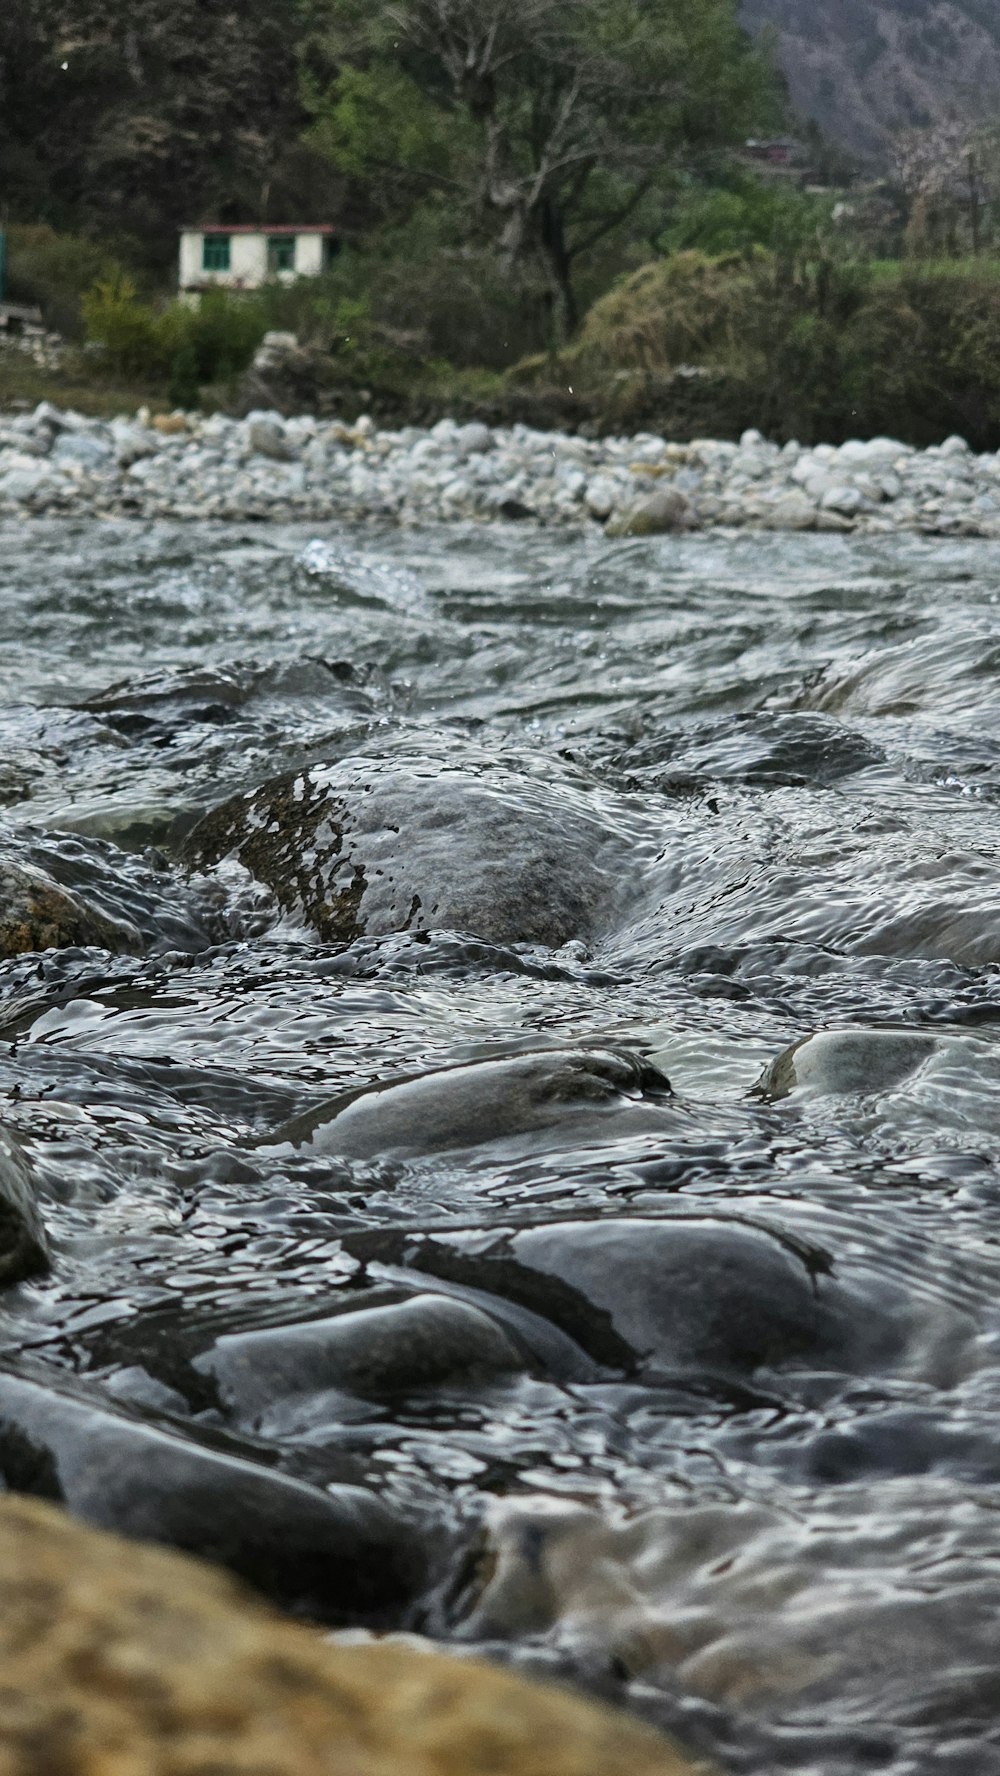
<point x="267" y="466"/>
<point x="375" y="845"/>
<point x="131" y="1659"/>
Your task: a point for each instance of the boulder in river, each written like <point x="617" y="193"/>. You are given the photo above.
<point x="704" y="1297"/>
<point x="24" y="1247"/>
<point x="416" y="843"/>
<point x="863" y="1061"/>
<point x="484" y="1101"/>
<point x="38" y="913"/>
<point x="120" y="1658"/>
<point x="372" y="1351"/>
<point x="338" y="1554"/>
<point x="665" y="510"/>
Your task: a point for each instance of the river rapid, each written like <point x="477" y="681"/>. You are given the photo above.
<point x="642" y="1362"/>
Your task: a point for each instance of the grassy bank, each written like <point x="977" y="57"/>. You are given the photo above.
<point x="688" y="344"/>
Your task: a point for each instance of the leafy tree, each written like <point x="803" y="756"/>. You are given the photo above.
<point x="132" y="119"/>
<point x="746" y="213"/>
<point x="543" y="124"/>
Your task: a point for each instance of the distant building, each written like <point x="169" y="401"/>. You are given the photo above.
<point x="244" y="257"/>
<point x="777" y="151"/>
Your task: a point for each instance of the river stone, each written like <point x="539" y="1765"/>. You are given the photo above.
<point x="267" y="437"/>
<point x="765" y="747"/>
<point x="665" y="510"/>
<point x="338" y="1554"/>
<point x="61" y="889"/>
<point x="373" y="845"/>
<point x="864" y="1061"/>
<point x="374" y="1352"/>
<point x="25" y="484"/>
<point x="484" y="1101"/>
<point x="705" y="1296"/>
<point x="37" y="913"/>
<point x="77" y="448"/>
<point x="24" y="1249"/>
<point x="120" y="1660"/>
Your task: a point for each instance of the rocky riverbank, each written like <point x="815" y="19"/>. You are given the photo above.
<point x="263" y="466"/>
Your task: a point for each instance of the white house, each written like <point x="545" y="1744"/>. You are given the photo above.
<point x="244" y="256"/>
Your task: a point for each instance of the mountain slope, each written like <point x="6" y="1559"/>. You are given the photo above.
<point x="863" y="69"/>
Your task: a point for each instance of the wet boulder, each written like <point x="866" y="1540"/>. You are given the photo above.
<point x="373" y="1352"/>
<point x="847" y="1061"/>
<point x="675" y="1295"/>
<point x="485" y="1101"/>
<point x="38" y="913"/>
<point x="24" y="1249"/>
<point x="59" y="890"/>
<point x="418" y="842"/>
<point x="337" y="1554"/>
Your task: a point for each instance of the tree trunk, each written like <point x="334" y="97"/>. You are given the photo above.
<point x="563" y="309"/>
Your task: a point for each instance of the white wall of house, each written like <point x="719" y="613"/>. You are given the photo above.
<point x="248" y="260"/>
<point x="309" y="254"/>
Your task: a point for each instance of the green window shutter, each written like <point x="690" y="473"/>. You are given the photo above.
<point x="281" y="253"/>
<point x="215" y="252"/>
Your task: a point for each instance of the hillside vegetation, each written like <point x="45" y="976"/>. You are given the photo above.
<point x="541" y="205"/>
<point x="864" y="69"/>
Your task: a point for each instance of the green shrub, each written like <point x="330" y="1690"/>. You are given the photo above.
<point x="821" y="350"/>
<point x="179" y="344"/>
<point x="184" y="379"/>
<point x="52" y="272"/>
<point x="744" y="214"/>
<point x="128" y="332"/>
<point x="687" y="309"/>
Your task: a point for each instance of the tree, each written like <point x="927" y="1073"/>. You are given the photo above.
<point x="941" y="171"/>
<point x="544" y="123"/>
<point x="133" y="119"/>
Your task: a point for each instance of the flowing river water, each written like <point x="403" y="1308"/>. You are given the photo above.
<point x="687" y="1392"/>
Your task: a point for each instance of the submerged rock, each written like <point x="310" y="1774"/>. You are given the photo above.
<point x="337" y="1554"/>
<point x="373" y="1351"/>
<point x="60" y="889"/>
<point x="484" y="1101"/>
<point x="24" y="1249"/>
<point x="656" y="1297"/>
<point x="847" y="1061"/>
<point x="375" y="845"/>
<point x="38" y="913"/>
<point x="754" y="1604"/>
<point x="761" y="747"/>
<point x="118" y="1656"/>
